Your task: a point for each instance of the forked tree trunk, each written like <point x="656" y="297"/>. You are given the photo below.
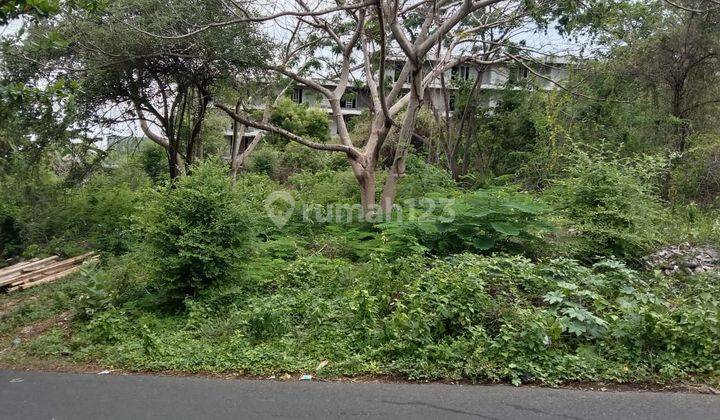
<point x="397" y="170"/>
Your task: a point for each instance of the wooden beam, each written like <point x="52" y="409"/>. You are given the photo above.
<point x="45" y="280"/>
<point x="41" y="272"/>
<point x="26" y="268"/>
<point x="21" y="264"/>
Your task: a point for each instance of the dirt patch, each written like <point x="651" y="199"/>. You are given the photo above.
<point x="8" y="306"/>
<point x="61" y="321"/>
<point x="693" y="388"/>
<point x="30" y="332"/>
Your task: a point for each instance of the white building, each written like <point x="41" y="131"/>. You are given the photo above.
<point x="494" y="79"/>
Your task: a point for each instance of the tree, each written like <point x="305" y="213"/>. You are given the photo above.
<point x="678" y="57"/>
<point x="358" y="38"/>
<point x="273" y="91"/>
<point x="125" y="75"/>
<point x="414" y="33"/>
<point x="671" y="52"/>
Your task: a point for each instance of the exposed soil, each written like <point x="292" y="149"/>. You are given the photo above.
<point x="7" y="306"/>
<point x="32" y="331"/>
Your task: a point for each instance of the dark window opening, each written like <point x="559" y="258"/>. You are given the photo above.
<point x="461" y="72"/>
<point x="349" y="101"/>
<point x="297" y="96"/>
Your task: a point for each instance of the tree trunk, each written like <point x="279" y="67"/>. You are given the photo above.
<point x="174" y="164"/>
<point x="367" y="192"/>
<point x="679" y="143"/>
<point x="397" y="170"/>
<point x="235" y="144"/>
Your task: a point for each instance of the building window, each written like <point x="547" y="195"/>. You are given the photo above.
<point x="349" y="101"/>
<point x="451" y="103"/>
<point x="297" y="95"/>
<point x="461" y="72"/>
<point x="519" y="74"/>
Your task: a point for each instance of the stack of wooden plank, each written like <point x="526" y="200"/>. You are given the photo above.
<point x="35" y="272"/>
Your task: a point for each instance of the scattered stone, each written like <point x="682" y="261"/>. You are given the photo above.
<point x="16" y="342"/>
<point x="286" y="377"/>
<point x="684" y="258"/>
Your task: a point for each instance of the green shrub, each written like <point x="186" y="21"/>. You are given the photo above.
<point x="122" y="282"/>
<point x="485" y="220"/>
<point x="265" y="160"/>
<point x="195" y="231"/>
<point x="696" y="178"/>
<point x="694" y="224"/>
<point x="509" y="318"/>
<point x="298" y="158"/>
<point x="54" y="218"/>
<point x="10" y="232"/>
<point x="423" y="179"/>
<point x="301" y="120"/>
<point x="326" y="187"/>
<point x="609" y="206"/>
<point x="105" y="210"/>
<point x="464" y="291"/>
<point x="485" y="318"/>
<point x="154" y="162"/>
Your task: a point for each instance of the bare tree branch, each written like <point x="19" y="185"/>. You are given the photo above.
<point x="349" y="150"/>
<point x="254" y="19"/>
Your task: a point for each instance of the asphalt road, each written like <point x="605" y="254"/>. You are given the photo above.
<point x="31" y="395"/>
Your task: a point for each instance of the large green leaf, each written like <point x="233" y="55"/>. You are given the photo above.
<point x="483" y="243"/>
<point x="523" y="207"/>
<point x="506" y="228"/>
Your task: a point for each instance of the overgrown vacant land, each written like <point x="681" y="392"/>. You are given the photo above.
<point x="422" y="300"/>
<point x="476" y="219"/>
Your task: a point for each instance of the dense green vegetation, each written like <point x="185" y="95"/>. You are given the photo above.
<point x="516" y="250"/>
<point x="495" y="296"/>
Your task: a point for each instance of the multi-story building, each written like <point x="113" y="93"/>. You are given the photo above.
<point x="494" y="79"/>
